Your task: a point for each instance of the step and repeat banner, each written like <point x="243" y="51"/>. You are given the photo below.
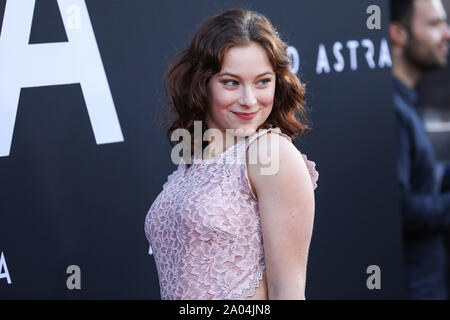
<point x="83" y="151"/>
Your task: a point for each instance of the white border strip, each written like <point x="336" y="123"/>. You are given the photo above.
<point x="437" y="126"/>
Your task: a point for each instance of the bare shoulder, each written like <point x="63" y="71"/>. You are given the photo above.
<point x="275" y="165"/>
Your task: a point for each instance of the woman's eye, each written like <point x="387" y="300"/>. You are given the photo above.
<point x="230" y="82"/>
<point x="265" y="81"/>
<point x="234" y="83"/>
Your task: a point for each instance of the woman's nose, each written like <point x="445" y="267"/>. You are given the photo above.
<point x="248" y="97"/>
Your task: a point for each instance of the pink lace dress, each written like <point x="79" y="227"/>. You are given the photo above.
<point x="204" y="228"/>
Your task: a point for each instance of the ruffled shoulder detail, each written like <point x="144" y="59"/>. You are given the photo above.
<point x="311" y="165"/>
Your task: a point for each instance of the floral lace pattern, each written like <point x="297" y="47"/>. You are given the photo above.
<point x="204" y="229"/>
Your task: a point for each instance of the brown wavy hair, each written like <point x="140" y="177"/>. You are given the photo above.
<point x="192" y="68"/>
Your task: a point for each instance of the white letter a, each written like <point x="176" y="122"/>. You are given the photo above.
<point x="44" y="64"/>
<point x="3" y="266"/>
<point x="374" y="21"/>
<point x="374" y="281"/>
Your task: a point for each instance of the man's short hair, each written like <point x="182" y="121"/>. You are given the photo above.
<point x="401" y="11"/>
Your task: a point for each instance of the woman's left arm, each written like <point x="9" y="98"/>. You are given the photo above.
<point x="286" y="206"/>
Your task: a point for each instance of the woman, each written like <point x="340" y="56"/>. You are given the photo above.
<point x="207" y="226"/>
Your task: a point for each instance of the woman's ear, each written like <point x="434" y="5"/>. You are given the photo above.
<point x="398" y="34"/>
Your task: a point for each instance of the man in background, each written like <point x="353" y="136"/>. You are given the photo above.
<point x="420" y="37"/>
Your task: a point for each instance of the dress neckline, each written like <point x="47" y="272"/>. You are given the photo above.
<point x="218" y="156"/>
<point x="202" y="162"/>
<point x="223" y="153"/>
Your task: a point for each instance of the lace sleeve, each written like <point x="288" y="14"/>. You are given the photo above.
<point x="311" y="165"/>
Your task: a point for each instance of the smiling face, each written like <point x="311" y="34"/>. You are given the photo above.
<point x="241" y="95"/>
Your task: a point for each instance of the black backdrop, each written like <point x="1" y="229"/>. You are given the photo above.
<point x="66" y="199"/>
